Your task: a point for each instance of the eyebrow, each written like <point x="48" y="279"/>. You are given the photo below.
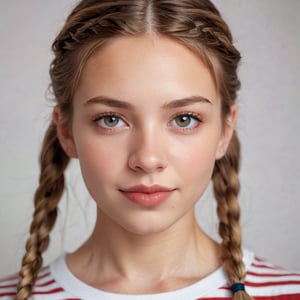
<point x="169" y="105"/>
<point x="186" y="101"/>
<point x="110" y="102"/>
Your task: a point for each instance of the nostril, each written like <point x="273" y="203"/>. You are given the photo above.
<point x="148" y="163"/>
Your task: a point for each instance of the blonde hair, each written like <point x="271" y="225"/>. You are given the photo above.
<point x="199" y="26"/>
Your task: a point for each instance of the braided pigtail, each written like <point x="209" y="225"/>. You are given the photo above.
<point x="226" y="188"/>
<point x="53" y="162"/>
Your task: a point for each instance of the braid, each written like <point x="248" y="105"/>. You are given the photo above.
<point x="226" y="189"/>
<point x="51" y="184"/>
<point x="103" y="20"/>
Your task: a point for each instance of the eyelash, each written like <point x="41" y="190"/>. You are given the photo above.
<point x="196" y="118"/>
<point x="108" y="114"/>
<point x="192" y="115"/>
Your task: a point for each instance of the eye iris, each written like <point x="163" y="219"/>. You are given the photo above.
<point x="183" y="121"/>
<point x="111" y="121"/>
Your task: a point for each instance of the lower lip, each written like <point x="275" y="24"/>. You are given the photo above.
<point x="144" y="199"/>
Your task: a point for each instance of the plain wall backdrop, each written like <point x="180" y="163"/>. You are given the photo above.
<point x="267" y="34"/>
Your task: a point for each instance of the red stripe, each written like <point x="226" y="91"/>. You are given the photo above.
<point x="259" y="259"/>
<point x="7" y="294"/>
<point x="281" y="297"/>
<point x="224" y="288"/>
<point x="46" y="283"/>
<point x="12" y="277"/>
<point x="57" y="290"/>
<point x="270" y="283"/>
<point x="214" y="298"/>
<point x="264" y="266"/>
<point x="14" y="294"/>
<point x="264" y="261"/>
<point x="272" y="275"/>
<point x="8" y="286"/>
<point x="43" y="276"/>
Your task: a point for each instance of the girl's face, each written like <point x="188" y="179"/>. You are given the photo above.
<point x="147" y="130"/>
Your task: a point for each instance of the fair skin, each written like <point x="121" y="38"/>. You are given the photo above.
<point x="146" y="112"/>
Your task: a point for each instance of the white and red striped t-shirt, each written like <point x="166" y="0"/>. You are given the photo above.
<point x="264" y="281"/>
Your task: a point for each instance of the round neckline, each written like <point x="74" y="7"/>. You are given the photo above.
<point x="71" y="284"/>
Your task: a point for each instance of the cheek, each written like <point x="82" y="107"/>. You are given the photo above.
<point x="201" y="161"/>
<point x="196" y="148"/>
<point x="196" y="157"/>
<point x="97" y="158"/>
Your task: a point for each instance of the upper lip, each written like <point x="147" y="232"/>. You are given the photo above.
<point x="147" y="189"/>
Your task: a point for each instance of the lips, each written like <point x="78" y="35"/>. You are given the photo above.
<point x="147" y="195"/>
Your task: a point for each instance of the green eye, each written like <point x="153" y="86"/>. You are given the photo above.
<point x="110" y="121"/>
<point x="186" y="121"/>
<point x="183" y="120"/>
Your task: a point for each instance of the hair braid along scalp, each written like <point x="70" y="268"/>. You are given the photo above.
<point x="198" y="25"/>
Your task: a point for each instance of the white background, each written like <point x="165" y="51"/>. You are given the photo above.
<point x="266" y="32"/>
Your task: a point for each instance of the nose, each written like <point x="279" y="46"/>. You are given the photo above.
<point x="148" y="153"/>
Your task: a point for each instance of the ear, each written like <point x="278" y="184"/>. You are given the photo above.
<point x="228" y="129"/>
<point x="64" y="133"/>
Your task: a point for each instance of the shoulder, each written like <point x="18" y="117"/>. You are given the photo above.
<point x="266" y="281"/>
<point x="46" y="287"/>
<point x="8" y="287"/>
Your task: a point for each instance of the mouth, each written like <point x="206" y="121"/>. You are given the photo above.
<point x="147" y="195"/>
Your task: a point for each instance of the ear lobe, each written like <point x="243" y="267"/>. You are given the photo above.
<point x="228" y="129"/>
<point x="64" y="133"/>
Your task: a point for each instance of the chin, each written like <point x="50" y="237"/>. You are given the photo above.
<point x="146" y="227"/>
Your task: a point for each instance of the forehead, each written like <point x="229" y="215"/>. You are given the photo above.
<point x="147" y="66"/>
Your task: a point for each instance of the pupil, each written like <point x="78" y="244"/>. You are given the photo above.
<point x="111" y="121"/>
<point x="183" y="121"/>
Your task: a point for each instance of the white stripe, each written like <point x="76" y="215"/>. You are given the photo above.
<point x="267" y="279"/>
<point x="264" y="263"/>
<point x="260" y="270"/>
<point x="274" y="290"/>
<point x="7" y="281"/>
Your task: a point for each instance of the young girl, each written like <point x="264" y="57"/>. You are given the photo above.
<point x="145" y="100"/>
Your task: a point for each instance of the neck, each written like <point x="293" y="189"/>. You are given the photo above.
<point x="183" y="250"/>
